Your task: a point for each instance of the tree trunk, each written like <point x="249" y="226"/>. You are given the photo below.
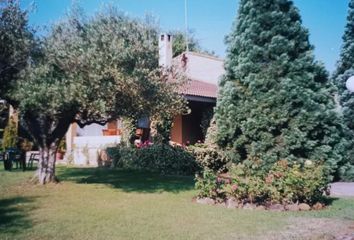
<point x="47" y="131"/>
<point x="46" y="168"/>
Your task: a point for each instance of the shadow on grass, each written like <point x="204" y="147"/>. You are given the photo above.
<point x="338" y="207"/>
<point x="128" y="180"/>
<point x="14" y="214"/>
<point x="328" y="200"/>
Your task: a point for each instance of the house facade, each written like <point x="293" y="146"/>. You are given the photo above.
<point x="203" y="72"/>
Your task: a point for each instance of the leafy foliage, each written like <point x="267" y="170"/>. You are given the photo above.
<point x="4" y="115"/>
<point x="16" y="45"/>
<point x="209" y="157"/>
<point x="346" y="61"/>
<point x="92" y="70"/>
<point x="210" y="136"/>
<point x="208" y="185"/>
<point x="102" y="68"/>
<point x="276" y="101"/>
<point x="283" y="183"/>
<point x="179" y="43"/>
<point x="160" y="158"/>
<point x="10" y="135"/>
<point x="161" y="129"/>
<point x="345" y="69"/>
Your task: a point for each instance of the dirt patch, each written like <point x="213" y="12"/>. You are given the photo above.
<point x="315" y="229"/>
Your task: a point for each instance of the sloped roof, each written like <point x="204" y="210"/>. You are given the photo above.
<point x="203" y="72"/>
<point x="200" y="89"/>
<point x="204" y="55"/>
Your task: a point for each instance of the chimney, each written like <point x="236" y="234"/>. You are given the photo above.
<point x="165" y="50"/>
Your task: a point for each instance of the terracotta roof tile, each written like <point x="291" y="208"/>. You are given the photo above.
<point x="199" y="88"/>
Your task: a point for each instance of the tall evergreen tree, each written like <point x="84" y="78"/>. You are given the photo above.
<point x="345" y="69"/>
<point x="276" y="102"/>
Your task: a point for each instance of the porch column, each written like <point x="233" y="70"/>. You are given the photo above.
<point x="69" y="138"/>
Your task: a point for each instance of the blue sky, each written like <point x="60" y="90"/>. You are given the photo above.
<point x="211" y="20"/>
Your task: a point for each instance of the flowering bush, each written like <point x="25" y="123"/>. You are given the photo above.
<point x="296" y="183"/>
<point x="144" y="144"/>
<point x="283" y="183"/>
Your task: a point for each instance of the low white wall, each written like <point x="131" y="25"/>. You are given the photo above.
<point x="87" y="150"/>
<point x="28" y="155"/>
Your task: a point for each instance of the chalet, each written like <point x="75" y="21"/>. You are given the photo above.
<point x="203" y="72"/>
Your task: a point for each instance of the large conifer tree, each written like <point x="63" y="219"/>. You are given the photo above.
<point x="345" y="69"/>
<point x="276" y="102"/>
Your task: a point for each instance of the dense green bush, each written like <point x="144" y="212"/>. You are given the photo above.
<point x="347" y="172"/>
<point x="284" y="183"/>
<point x="209" y="157"/>
<point x="210" y="186"/>
<point x="162" y="158"/>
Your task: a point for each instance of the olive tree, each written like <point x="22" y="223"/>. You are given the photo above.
<point x="91" y="71"/>
<point x="16" y="45"/>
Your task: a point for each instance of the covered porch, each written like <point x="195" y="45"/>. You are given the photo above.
<point x="190" y="128"/>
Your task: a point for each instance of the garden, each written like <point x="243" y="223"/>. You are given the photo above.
<point x="280" y="134"/>
<point x="99" y="203"/>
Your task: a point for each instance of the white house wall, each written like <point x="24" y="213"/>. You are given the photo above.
<point x="91" y="130"/>
<point x="204" y="68"/>
<point x="87" y="149"/>
<point x="85" y="145"/>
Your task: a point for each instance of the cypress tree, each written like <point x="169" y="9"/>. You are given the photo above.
<point x="344" y="70"/>
<point x="276" y="101"/>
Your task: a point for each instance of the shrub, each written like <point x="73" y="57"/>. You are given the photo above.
<point x="347" y="172"/>
<point x="122" y="156"/>
<point x="62" y="146"/>
<point x="283" y="183"/>
<point x="209" y="185"/>
<point x="296" y="183"/>
<point x="10" y="135"/>
<point x="246" y="182"/>
<point x="209" y="157"/>
<point x="162" y="158"/>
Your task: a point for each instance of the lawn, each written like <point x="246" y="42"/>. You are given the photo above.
<point x="94" y="203"/>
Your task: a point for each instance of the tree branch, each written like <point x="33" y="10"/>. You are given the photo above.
<point x="88" y="122"/>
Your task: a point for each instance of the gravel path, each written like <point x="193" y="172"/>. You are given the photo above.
<point x="342" y="189"/>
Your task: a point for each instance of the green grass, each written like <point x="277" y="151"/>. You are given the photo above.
<point x="93" y="203"/>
